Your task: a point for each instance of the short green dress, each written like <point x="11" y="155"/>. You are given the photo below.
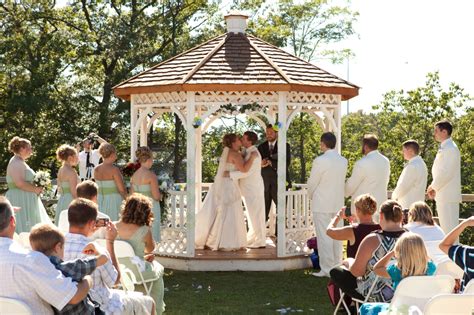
<point x="109" y="199"/>
<point x="146" y="190"/>
<point x="149" y="270"/>
<point x="32" y="209"/>
<point x="64" y="200"/>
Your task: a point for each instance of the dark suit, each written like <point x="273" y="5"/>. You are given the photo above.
<point x="269" y="173"/>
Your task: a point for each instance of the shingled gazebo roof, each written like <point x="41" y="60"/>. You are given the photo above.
<point x="235" y="62"/>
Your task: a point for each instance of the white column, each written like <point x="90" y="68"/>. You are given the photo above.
<point x="133" y="131"/>
<point x="199" y="165"/>
<point x="281" y="171"/>
<point x="144" y="130"/>
<point x="190" y="171"/>
<point x="338" y="131"/>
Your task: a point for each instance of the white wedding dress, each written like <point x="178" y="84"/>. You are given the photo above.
<point x="220" y="223"/>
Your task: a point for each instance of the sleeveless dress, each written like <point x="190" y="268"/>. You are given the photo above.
<point x="109" y="199"/>
<point x="220" y="223"/>
<point x="151" y="270"/>
<point x="146" y="190"/>
<point x="64" y="200"/>
<point x="32" y="209"/>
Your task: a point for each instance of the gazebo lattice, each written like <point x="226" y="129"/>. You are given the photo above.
<point x="237" y="69"/>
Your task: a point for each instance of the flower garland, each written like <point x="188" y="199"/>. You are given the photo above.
<point x="230" y="109"/>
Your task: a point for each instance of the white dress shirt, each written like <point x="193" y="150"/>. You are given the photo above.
<point x="370" y="175"/>
<point x="30" y="277"/>
<point x="447" y="173"/>
<point x="326" y="182"/>
<point x="411" y="185"/>
<point x="94" y="158"/>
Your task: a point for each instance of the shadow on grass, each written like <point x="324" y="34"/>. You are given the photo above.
<point x="245" y="293"/>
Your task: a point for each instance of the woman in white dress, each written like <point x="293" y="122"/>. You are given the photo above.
<point x="220" y="223"/>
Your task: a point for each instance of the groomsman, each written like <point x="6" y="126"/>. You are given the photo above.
<point x="445" y="188"/>
<point x="411" y="184"/>
<point x="326" y="190"/>
<point x="370" y="174"/>
<point x="269" y="152"/>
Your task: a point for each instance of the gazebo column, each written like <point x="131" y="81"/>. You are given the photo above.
<point x="198" y="167"/>
<point x="190" y="171"/>
<point x="281" y="171"/>
<point x="133" y="130"/>
<point x="144" y="132"/>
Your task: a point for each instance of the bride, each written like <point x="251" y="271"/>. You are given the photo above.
<point x="220" y="223"/>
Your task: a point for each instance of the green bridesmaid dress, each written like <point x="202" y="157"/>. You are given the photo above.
<point x="109" y="199"/>
<point x="32" y="209"/>
<point x="146" y="190"/>
<point x="63" y="201"/>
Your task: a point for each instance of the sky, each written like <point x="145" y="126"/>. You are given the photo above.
<point x="400" y="41"/>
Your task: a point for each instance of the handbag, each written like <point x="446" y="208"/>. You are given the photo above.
<point x="335" y="295"/>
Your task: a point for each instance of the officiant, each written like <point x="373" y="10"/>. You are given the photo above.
<point x="269" y="152"/>
<point x="89" y="157"/>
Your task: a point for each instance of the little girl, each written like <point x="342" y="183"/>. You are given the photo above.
<point x="411" y="260"/>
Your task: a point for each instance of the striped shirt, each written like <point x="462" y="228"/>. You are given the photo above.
<point x="463" y="256"/>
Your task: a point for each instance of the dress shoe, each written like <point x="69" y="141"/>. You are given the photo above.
<point x="320" y="274"/>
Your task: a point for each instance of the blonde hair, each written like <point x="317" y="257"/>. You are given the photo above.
<point x="366" y="204"/>
<point x="412" y="257"/>
<point x="420" y="212"/>
<point x="144" y="154"/>
<point x="44" y="237"/>
<point x="106" y="150"/>
<point x="17" y="143"/>
<point x="64" y="152"/>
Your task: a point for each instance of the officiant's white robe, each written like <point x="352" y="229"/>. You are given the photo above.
<point x="326" y="190"/>
<point x="446" y="173"/>
<point x="252" y="189"/>
<point x="370" y="175"/>
<point x="411" y="185"/>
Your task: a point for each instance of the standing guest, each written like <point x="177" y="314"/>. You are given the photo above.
<point x="145" y="182"/>
<point x="365" y="207"/>
<point x="462" y="255"/>
<point x="420" y="221"/>
<point x="22" y="192"/>
<point x="445" y="188"/>
<point x="134" y="227"/>
<point x="326" y="190"/>
<point x="29" y="276"/>
<point x="89" y="157"/>
<point x="411" y="185"/>
<point x="370" y="174"/>
<point x="269" y="153"/>
<point x="67" y="178"/>
<point x="112" y="189"/>
<point x="82" y="215"/>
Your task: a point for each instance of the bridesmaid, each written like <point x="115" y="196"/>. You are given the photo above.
<point x="112" y="189"/>
<point x="67" y="177"/>
<point x="145" y="182"/>
<point x="21" y="190"/>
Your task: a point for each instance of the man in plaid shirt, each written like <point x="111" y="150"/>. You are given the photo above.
<point x="47" y="239"/>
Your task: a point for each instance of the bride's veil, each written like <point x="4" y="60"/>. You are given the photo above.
<point x="218" y="187"/>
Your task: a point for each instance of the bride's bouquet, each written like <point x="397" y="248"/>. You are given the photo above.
<point x="42" y="179"/>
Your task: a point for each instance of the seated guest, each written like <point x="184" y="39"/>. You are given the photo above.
<point x="462" y="255"/>
<point x="47" y="239"/>
<point x="420" y="221"/>
<point x="365" y="207"/>
<point x="411" y="260"/>
<point x="29" y="276"/>
<point x="356" y="276"/>
<point x="135" y="227"/>
<point x="82" y="215"/>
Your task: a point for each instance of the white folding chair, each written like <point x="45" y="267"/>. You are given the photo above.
<point x="24" y="238"/>
<point x="125" y="250"/>
<point x="450" y="304"/>
<point x="449" y="268"/>
<point x="357" y="301"/>
<point x="469" y="288"/>
<point x="417" y="290"/>
<point x="14" y="307"/>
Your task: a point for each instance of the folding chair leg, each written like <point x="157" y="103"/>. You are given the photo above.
<point x="341" y="300"/>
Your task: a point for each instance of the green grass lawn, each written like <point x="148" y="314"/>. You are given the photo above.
<point x="245" y="292"/>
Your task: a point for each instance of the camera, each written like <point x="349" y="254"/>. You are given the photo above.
<point x="101" y="222"/>
<point x="91" y="138"/>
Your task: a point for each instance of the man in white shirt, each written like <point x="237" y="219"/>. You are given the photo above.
<point x="411" y="185"/>
<point x="82" y="215"/>
<point x="89" y="157"/>
<point x="29" y="276"/>
<point x="370" y="174"/>
<point x="326" y="190"/>
<point x="445" y="188"/>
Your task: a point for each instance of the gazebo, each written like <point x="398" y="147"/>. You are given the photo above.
<point x="233" y="73"/>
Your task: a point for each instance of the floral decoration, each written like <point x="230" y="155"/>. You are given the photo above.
<point x="277" y="126"/>
<point x="166" y="184"/>
<point x="197" y="122"/>
<point x="129" y="169"/>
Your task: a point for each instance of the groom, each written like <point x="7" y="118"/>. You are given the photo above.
<point x="252" y="189"/>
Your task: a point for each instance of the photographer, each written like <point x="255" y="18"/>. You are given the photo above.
<point x="89" y="157"/>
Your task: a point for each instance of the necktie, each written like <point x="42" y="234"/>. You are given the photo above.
<point x="271" y="148"/>
<point x="88" y="166"/>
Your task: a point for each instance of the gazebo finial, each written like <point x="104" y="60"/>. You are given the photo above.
<point x="236" y="21"/>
